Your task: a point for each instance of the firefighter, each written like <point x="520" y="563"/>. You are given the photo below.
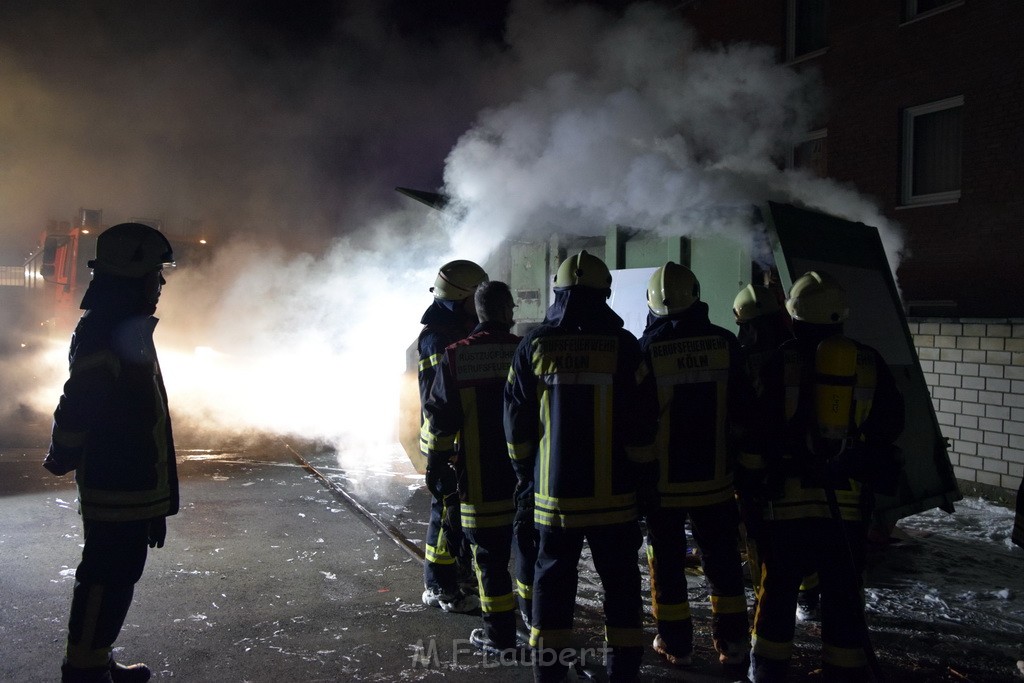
<point x="463" y="427"/>
<point x="450" y="317"/>
<point x="764" y="325"/>
<point x="112" y="428"/>
<point x="580" y="419"/>
<point x="831" y="413"/>
<point x="1017" y="535"/>
<point x="702" y="391"/>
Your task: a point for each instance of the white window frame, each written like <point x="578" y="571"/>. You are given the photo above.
<point x="910" y="114"/>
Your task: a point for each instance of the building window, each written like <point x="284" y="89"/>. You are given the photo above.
<point x="806" y="34"/>
<point x="917" y="8"/>
<point x="932" y="136"/>
<point x="812" y="154"/>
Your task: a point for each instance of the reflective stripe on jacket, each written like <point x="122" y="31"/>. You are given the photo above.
<point x="580" y="412"/>
<point x="444" y="323"/>
<point x="463" y="415"/>
<point x="799" y="465"/>
<point x="702" y="393"/>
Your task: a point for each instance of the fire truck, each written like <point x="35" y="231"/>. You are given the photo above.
<point x="40" y="297"/>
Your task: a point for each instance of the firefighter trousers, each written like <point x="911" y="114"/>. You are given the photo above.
<point x="113" y="558"/>
<point x="525" y="538"/>
<point x="492" y="552"/>
<point x="791" y="549"/>
<point x="446" y="553"/>
<point x="615" y="550"/>
<point x="809" y="591"/>
<point x="715" y="530"/>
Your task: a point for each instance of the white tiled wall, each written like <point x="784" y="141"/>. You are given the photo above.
<point x="975" y="372"/>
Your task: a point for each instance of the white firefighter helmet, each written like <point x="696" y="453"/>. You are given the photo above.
<point x="753" y="302"/>
<point x="457" y="280"/>
<point x="131" y="250"/>
<point x="584" y="270"/>
<point x="818" y="298"/>
<point x="673" y="288"/>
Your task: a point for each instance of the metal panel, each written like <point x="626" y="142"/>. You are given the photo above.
<point x="722" y="267"/>
<point x="528" y="280"/>
<point x="852" y="252"/>
<point x="646" y="252"/>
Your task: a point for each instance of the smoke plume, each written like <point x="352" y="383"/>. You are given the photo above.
<point x="287" y="146"/>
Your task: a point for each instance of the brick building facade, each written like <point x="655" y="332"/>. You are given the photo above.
<point x="923" y="113"/>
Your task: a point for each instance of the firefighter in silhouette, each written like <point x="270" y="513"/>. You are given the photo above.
<point x="580" y="419"/>
<point x="831" y="413"/>
<point x="764" y="325"/>
<point x="1017" y="535"/>
<point x="450" y="317"/>
<point x="112" y="428"/>
<point x="462" y="428"/>
<point x="702" y="391"/>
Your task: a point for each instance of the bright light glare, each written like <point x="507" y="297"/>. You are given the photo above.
<point x="303" y="346"/>
<point x="36" y="378"/>
<point x="308" y="390"/>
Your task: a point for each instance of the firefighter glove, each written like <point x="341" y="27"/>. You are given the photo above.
<point x="60" y="461"/>
<point x="441" y="481"/>
<point x="524" y="504"/>
<point x="524" y="513"/>
<point x="157" y="532"/>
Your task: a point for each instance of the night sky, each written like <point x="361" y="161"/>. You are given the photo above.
<point x="284" y="129"/>
<point x="295" y="116"/>
<point x="297" y="120"/>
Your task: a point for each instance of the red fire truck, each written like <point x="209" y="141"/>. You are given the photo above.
<point x="39" y="298"/>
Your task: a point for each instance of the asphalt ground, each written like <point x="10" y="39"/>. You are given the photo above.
<point x="267" y="575"/>
<point x="271" y="574"/>
<point x="264" y="577"/>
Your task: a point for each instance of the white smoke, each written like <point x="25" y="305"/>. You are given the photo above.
<point x="309" y="346"/>
<point x="635" y="126"/>
<point x="587" y="119"/>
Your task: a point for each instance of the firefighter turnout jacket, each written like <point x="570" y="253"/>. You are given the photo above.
<point x="463" y="415"/>
<point x="831" y="413"/>
<point x="444" y="323"/>
<point x="112" y="424"/>
<point x="799" y="460"/>
<point x="703" y="393"/>
<point x="580" y="414"/>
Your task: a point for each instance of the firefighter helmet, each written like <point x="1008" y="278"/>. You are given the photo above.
<point x="673" y="288"/>
<point x="818" y="298"/>
<point x="131" y="250"/>
<point x="457" y="280"/>
<point x="584" y="270"/>
<point x="753" y="302"/>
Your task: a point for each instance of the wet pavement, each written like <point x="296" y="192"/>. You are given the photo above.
<point x="271" y="574"/>
<point x="265" y="577"/>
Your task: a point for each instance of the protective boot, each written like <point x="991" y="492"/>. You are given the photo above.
<point x="132" y="673"/>
<point x="96" y="674"/>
